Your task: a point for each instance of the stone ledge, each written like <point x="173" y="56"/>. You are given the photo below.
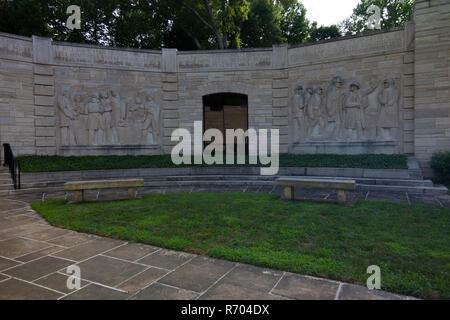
<point x="133" y="150"/>
<point x="103" y="184"/>
<point x="316" y="183"/>
<point x="354" y="173"/>
<point x="345" y="147"/>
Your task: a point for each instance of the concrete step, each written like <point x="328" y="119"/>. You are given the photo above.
<point x="9" y="186"/>
<point x="410" y="189"/>
<point x="6" y="178"/>
<point x="150" y="173"/>
<point x="393" y="182"/>
<point x="435" y="190"/>
<point x="30" y="191"/>
<point x="245" y="179"/>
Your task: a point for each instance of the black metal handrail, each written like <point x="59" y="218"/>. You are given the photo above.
<point x="13" y="165"/>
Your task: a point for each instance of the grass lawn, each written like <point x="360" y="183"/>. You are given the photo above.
<point x="409" y="243"/>
<point x="58" y="163"/>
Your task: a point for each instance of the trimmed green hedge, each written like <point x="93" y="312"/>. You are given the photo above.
<point x="57" y="163"/>
<point x="440" y="162"/>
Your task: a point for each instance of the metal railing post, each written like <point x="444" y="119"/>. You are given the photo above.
<point x="13" y="165"/>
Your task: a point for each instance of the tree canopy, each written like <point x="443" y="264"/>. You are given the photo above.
<point x="186" y="24"/>
<point x="394" y="13"/>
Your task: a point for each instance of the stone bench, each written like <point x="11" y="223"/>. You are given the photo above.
<point x="80" y="186"/>
<point x="290" y="182"/>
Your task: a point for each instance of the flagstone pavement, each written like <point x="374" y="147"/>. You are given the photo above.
<point x="34" y="258"/>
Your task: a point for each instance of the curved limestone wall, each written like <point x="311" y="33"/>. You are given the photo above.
<point x="385" y="92"/>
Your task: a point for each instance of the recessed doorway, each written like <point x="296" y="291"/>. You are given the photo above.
<point x="224" y="111"/>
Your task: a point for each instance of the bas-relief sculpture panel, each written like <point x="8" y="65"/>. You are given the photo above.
<point x="346" y="111"/>
<point x="108" y="116"/>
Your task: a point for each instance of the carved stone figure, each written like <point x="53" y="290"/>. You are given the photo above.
<point x="118" y="109"/>
<point x="354" y="120"/>
<point x="388" y="119"/>
<point x="66" y="116"/>
<point x="314" y="110"/>
<point x="334" y="109"/>
<point x="150" y="130"/>
<point x="354" y="106"/>
<point x="94" y="120"/>
<point x="108" y="125"/>
<point x="299" y="115"/>
<point x="371" y="112"/>
<point x="136" y="111"/>
<point x="80" y="124"/>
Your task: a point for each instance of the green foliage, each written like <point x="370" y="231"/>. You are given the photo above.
<point x="440" y="163"/>
<point x="230" y="14"/>
<point x="394" y="13"/>
<point x="323" y="33"/>
<point x="57" y="163"/>
<point x="153" y="24"/>
<point x="294" y="25"/>
<point x="223" y="18"/>
<point x="408" y="242"/>
<point x="140" y="24"/>
<point x="262" y="29"/>
<point x="23" y="17"/>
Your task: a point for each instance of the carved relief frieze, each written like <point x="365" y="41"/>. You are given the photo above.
<point x="108" y="116"/>
<point x="345" y="111"/>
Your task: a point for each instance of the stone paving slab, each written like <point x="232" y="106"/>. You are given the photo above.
<point x="48" y="234"/>
<point x="227" y="291"/>
<point x="254" y="278"/>
<point x="142" y="280"/>
<point x="423" y="199"/>
<point x="38" y="268"/>
<point x="17" y="247"/>
<point x="306" y="288"/>
<point x="163" y="292"/>
<point x="109" y="271"/>
<point x="352" y="292"/>
<point x="132" y="251"/>
<point x="58" y="282"/>
<point x="39" y="254"/>
<point x="22" y="230"/>
<point x="7" y="263"/>
<point x="14" y="289"/>
<point x="198" y="274"/>
<point x="96" y="292"/>
<point x="388" y="196"/>
<point x="166" y="259"/>
<point x="87" y="250"/>
<point x="71" y="240"/>
<point x="33" y="266"/>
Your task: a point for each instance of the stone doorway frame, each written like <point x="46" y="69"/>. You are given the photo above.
<point x="244" y="102"/>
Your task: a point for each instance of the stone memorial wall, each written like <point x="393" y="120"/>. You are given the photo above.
<point x="384" y="92"/>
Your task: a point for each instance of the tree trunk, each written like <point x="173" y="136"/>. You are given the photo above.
<point x="214" y="25"/>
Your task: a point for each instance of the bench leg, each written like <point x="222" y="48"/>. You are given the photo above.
<point x="79" y="195"/>
<point x="289" y="193"/>
<point x="132" y="193"/>
<point x="342" y="198"/>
